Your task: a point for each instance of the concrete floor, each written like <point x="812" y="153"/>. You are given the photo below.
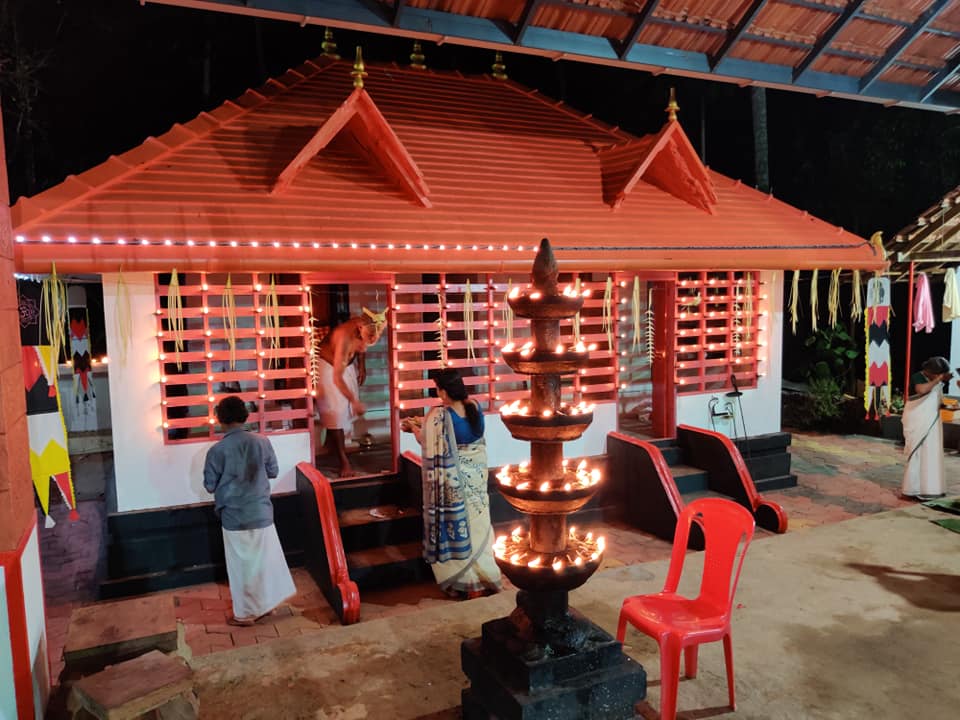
<point x="850" y="620"/>
<point x="840" y="478"/>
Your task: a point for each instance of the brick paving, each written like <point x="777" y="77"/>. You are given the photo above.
<point x="840" y="477"/>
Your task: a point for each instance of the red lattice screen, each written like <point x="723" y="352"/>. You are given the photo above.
<point x="719" y="330"/>
<point x="418" y="308"/>
<point x="268" y="368"/>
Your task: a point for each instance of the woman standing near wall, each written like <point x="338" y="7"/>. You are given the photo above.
<point x="458" y="535"/>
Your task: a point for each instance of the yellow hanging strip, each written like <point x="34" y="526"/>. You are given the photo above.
<point x="608" y="319"/>
<point x="468" y="320"/>
<point x="794" y="300"/>
<point x="228" y="306"/>
<point x="856" y="306"/>
<point x="508" y="311"/>
<point x="123" y="318"/>
<point x="833" y="297"/>
<point x="651" y="329"/>
<point x="576" y="318"/>
<point x="175" y="315"/>
<point x="814" y="298"/>
<point x="273" y="320"/>
<point x="635" y="309"/>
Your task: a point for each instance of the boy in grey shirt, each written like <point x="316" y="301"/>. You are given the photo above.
<point x="238" y="470"/>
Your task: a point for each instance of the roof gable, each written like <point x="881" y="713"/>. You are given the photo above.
<point x="366" y="130"/>
<point x="666" y="160"/>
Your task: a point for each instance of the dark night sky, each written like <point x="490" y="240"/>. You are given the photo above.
<point x="115" y="72"/>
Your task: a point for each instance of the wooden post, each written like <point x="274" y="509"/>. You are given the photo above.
<point x="906" y="364"/>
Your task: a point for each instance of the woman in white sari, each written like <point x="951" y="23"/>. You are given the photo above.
<point x="923" y="432"/>
<point x="457" y="533"/>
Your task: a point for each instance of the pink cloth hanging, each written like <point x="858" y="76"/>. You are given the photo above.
<point x="923" y="306"/>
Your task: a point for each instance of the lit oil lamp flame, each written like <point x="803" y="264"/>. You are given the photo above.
<point x="524" y="466"/>
<point x="536" y="295"/>
<point x="559" y="349"/>
<point x="509" y="347"/>
<point x="517" y="532"/>
<point x="558" y="565"/>
<point x="524" y="486"/>
<point x="535" y="562"/>
<point x="545" y="486"/>
<point x="515" y="559"/>
<point x="514" y="293"/>
<point x="580" y="347"/>
<point x="568" y="487"/>
<point x="547" y="413"/>
<point x="582" y="466"/>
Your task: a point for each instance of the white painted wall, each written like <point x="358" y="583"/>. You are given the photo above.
<point x="150" y="474"/>
<point x="36" y="623"/>
<point x="761" y="405"/>
<point x="8" y="698"/>
<point x="503" y="449"/>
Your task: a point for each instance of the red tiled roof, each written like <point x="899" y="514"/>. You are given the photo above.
<point x="504" y="167"/>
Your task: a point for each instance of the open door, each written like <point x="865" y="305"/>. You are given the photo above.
<point x="370" y="442"/>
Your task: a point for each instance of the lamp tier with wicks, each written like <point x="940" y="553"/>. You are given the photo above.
<point x="549" y="557"/>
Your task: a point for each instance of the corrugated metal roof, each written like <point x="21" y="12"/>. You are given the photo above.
<point x="504" y="166"/>
<point x="903" y="52"/>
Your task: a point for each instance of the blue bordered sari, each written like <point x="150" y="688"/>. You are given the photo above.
<point x="446" y="532"/>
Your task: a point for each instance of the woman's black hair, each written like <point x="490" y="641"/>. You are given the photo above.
<point x="231" y="410"/>
<point x="449" y="380"/>
<point x="936" y="365"/>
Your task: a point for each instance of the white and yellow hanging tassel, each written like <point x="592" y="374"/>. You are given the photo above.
<point x="54" y="300"/>
<point x="856" y="304"/>
<point x="794" y="300"/>
<point x="507" y="311"/>
<point x="468" y="320"/>
<point x="576" y="318"/>
<point x="273" y="320"/>
<point x="635" y="309"/>
<point x="736" y="336"/>
<point x="228" y="306"/>
<point x="651" y="329"/>
<point x="833" y="297"/>
<point x="608" y="317"/>
<point x="123" y="318"/>
<point x="814" y="299"/>
<point x="175" y="315"/>
<point x="748" y="304"/>
<point x="441" y="328"/>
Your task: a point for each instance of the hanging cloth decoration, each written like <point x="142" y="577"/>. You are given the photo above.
<point x="923" y="306"/>
<point x="833" y="297"/>
<point x="951" y="296"/>
<point x="507" y="311"/>
<point x="794" y="300"/>
<point x="608" y="312"/>
<point x="877" y="357"/>
<point x="576" y="318"/>
<point x="814" y="299"/>
<point x="856" y="304"/>
<point x="175" y="315"/>
<point x="468" y="320"/>
<point x="123" y="318"/>
<point x="49" y="457"/>
<point x="82" y="412"/>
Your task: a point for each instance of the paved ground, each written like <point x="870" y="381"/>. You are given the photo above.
<point x="840" y="477"/>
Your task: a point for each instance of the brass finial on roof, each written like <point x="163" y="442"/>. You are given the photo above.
<point x="329" y="45"/>
<point x="672" y="106"/>
<point x="499" y="69"/>
<point x="359" y="71"/>
<point x="417" y="58"/>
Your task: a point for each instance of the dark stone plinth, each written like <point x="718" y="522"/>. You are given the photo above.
<point x="515" y="676"/>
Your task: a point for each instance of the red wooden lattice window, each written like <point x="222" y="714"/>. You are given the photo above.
<point x="267" y="368"/>
<point x="419" y="307"/>
<point x="720" y="330"/>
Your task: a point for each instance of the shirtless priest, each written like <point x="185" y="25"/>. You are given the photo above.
<point x="339" y="379"/>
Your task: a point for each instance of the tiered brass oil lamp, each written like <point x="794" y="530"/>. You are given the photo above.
<point x="550" y="559"/>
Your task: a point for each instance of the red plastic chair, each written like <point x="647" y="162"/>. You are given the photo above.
<point x="679" y="623"/>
